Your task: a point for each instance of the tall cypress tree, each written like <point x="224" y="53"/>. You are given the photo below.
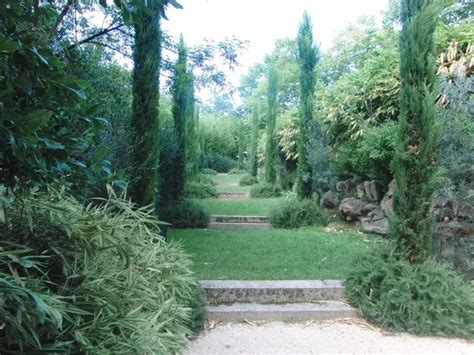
<point x="146" y="74"/>
<point x="270" y="147"/>
<point x="254" y="143"/>
<point x="192" y="145"/>
<point x="183" y="109"/>
<point x="308" y="57"/>
<point x="418" y="136"/>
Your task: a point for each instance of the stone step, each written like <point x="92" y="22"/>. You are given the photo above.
<point x="266" y="291"/>
<point x="240" y="219"/>
<point x="233" y="195"/>
<point x="238" y="226"/>
<point x="292" y="312"/>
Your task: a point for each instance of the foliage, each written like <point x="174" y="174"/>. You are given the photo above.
<point x="200" y="186"/>
<point x="424" y="299"/>
<point x="296" y="213"/>
<point x="207" y="171"/>
<point x="193" y="143"/>
<point x="219" y="135"/>
<point x="308" y="57"/>
<point x="254" y="143"/>
<point x="368" y="158"/>
<point x="415" y="158"/>
<point x="248" y="180"/>
<point x="265" y="190"/>
<point x="270" y="145"/>
<point x="237" y="171"/>
<point x="105" y="282"/>
<point x="183" y="112"/>
<point x="185" y="214"/>
<point x="45" y="123"/>
<point x="217" y="162"/>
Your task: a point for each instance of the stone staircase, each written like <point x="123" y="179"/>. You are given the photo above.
<point x="239" y="222"/>
<point x="281" y="301"/>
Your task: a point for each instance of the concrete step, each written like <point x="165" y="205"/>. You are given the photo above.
<point x="228" y="184"/>
<point x="292" y="312"/>
<point x="240" y="219"/>
<point x="233" y="195"/>
<point x="238" y="226"/>
<point x="265" y="291"/>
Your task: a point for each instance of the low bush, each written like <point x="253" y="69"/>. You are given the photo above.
<point x="93" y="279"/>
<point x="424" y="299"/>
<point x="248" y="180"/>
<point x="236" y="171"/>
<point x="207" y="171"/>
<point x="217" y="162"/>
<point x="265" y="190"/>
<point x="201" y="186"/>
<point x="294" y="213"/>
<point x="186" y="214"/>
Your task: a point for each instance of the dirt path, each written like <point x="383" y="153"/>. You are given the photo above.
<point x="341" y="337"/>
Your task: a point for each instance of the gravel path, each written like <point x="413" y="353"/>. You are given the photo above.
<point x="341" y="337"/>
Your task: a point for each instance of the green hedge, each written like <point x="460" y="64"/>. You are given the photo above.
<point x="265" y="191"/>
<point x="294" y="213"/>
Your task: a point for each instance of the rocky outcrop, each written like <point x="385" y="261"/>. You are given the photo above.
<point x="352" y="209"/>
<point x="330" y="200"/>
<point x="375" y="222"/>
<point x="387" y="200"/>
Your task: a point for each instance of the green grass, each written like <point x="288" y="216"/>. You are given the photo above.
<point x="218" y="179"/>
<point x="273" y="254"/>
<point x="251" y="207"/>
<point x="221" y="188"/>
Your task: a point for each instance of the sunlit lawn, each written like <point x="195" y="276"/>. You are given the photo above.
<point x="273" y="254"/>
<point x="250" y="207"/>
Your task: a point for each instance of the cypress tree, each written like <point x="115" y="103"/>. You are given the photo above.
<point x="192" y="144"/>
<point x="254" y="143"/>
<point x="241" y="145"/>
<point x="415" y="160"/>
<point x="308" y="57"/>
<point x="145" y="124"/>
<point x="270" y="147"/>
<point x="183" y="109"/>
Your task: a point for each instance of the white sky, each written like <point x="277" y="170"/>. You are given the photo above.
<point x="263" y="21"/>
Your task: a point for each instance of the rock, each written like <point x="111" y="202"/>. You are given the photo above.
<point x="465" y="212"/>
<point x="375" y="222"/>
<point x="330" y="200"/>
<point x="387" y="201"/>
<point x="352" y="209"/>
<point x="370" y="190"/>
<point x="360" y="190"/>
<point x="454" y="229"/>
<point x="346" y="186"/>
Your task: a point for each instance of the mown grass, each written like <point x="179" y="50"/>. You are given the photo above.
<point x="274" y="254"/>
<point x="226" y="178"/>
<point x="224" y="188"/>
<point x="250" y="207"/>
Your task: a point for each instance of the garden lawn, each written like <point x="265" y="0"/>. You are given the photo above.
<point x="226" y="178"/>
<point x="224" y="188"/>
<point x="274" y="254"/>
<point x="250" y="207"/>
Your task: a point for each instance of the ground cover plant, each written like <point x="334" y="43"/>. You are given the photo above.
<point x="425" y="299"/>
<point x="264" y="254"/>
<point x="186" y="213"/>
<point x="295" y="213"/>
<point x="248" y="180"/>
<point x="265" y="190"/>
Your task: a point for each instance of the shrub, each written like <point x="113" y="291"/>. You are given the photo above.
<point x="265" y="190"/>
<point x="186" y="214"/>
<point x="218" y="162"/>
<point x="248" y="180"/>
<point x="424" y="299"/>
<point x="200" y="186"/>
<point x="294" y="213"/>
<point x="236" y="171"/>
<point x="105" y="282"/>
<point x="208" y="171"/>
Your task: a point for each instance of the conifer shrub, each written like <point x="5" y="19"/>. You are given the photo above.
<point x="424" y="299"/>
<point x="200" y="186"/>
<point x="207" y="171"/>
<point x="91" y="279"/>
<point x="295" y="213"/>
<point x="265" y="190"/>
<point x="248" y="180"/>
<point x="186" y="214"/>
<point x="218" y="162"/>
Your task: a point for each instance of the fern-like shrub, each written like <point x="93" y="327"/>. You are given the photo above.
<point x="104" y="282"/>
<point x="265" y="191"/>
<point x="294" y="213"/>
<point x="248" y="180"/>
<point x="423" y="299"/>
<point x="186" y="214"/>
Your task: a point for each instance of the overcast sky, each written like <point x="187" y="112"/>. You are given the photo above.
<point x="263" y="21"/>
